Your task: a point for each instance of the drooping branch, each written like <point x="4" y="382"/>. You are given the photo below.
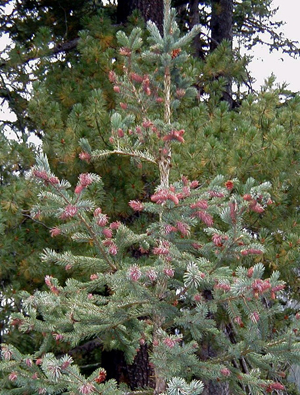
<point x="66" y="46"/>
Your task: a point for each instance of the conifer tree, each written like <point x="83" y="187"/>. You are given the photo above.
<point x="193" y="280"/>
<point x="80" y="62"/>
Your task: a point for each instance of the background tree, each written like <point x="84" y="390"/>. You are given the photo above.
<point x="221" y="22"/>
<point x="151" y="11"/>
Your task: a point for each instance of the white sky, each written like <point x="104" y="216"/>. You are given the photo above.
<point x="285" y="68"/>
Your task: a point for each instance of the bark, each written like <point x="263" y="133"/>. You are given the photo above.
<point x="140" y="372"/>
<point x="221" y="29"/>
<point x="195" y="20"/>
<point x="212" y="387"/>
<point x="151" y="10"/>
<point x="215" y="388"/>
<point x="138" y="375"/>
<point x="221" y="22"/>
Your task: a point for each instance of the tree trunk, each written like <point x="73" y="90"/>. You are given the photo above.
<point x="215" y="388"/>
<point x="221" y="29"/>
<point x="137" y="375"/>
<point x="140" y="373"/>
<point x="212" y="387"/>
<point x="195" y="20"/>
<point x="151" y="10"/>
<point x="207" y="351"/>
<point x="221" y="22"/>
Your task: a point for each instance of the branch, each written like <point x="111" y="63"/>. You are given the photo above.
<point x="134" y="154"/>
<point x="65" y="47"/>
<point x="97" y="243"/>
<point x="59" y="48"/>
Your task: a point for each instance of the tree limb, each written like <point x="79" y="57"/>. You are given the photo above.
<point x="66" y="46"/>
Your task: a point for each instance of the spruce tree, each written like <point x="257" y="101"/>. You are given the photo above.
<point x="191" y="289"/>
<point x="74" y="48"/>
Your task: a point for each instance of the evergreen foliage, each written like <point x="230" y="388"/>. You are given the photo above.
<point x="192" y="285"/>
<point x="69" y="56"/>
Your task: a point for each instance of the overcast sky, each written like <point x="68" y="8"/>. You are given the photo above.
<point x="288" y="69"/>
